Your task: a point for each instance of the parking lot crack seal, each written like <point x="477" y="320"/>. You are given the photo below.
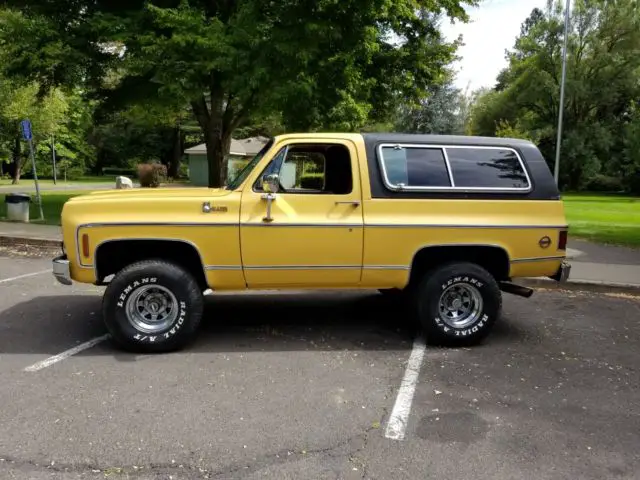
<point x="347" y="448"/>
<point x="130" y="472"/>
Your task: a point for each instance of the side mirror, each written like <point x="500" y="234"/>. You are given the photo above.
<point x="271" y="183"/>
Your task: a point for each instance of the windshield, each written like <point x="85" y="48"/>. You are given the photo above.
<point x="234" y="183"/>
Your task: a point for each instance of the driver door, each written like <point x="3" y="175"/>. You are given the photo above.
<point x="311" y="235"/>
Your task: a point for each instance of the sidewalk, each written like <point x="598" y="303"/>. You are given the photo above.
<point x="590" y="263"/>
<point x="600" y="265"/>
<point x="29" y="233"/>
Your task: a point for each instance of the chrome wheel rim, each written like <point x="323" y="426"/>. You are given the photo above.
<point x="152" y="308"/>
<point x="460" y="305"/>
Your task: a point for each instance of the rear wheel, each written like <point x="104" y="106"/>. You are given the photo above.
<point x="458" y="304"/>
<point x="152" y="306"/>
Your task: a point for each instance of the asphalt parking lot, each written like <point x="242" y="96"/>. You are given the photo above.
<point x="306" y="385"/>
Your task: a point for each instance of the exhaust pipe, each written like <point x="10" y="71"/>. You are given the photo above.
<point x="516" y="289"/>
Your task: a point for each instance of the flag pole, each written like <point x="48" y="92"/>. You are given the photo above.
<point x="556" y="170"/>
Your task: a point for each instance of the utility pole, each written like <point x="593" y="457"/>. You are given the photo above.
<point x="567" y="13"/>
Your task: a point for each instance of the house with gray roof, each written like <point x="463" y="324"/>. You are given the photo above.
<point x="240" y="152"/>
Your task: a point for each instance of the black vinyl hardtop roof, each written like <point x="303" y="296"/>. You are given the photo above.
<point x="444" y="139"/>
<point x="542" y="182"/>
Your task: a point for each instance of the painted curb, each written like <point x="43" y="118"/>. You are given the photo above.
<point x="573" y="253"/>
<point x="589" y="285"/>
<point x="11" y="241"/>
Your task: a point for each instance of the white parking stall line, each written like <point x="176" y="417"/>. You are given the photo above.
<point x="397" y="424"/>
<point x="11" y="279"/>
<point x="66" y="354"/>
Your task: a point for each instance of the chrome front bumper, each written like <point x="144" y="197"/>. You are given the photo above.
<point x="61" y="270"/>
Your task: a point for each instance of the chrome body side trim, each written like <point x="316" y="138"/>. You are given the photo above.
<point x="445" y="225"/>
<point x="302" y="267"/>
<point x="158" y="224"/>
<point x="303" y="225"/>
<point x="538" y="259"/>
<point x="386" y="267"/>
<point x="306" y="267"/>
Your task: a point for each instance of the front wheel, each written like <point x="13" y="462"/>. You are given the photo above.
<point x="458" y="304"/>
<point x="152" y="306"/>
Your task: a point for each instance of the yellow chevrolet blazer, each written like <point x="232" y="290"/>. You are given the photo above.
<point x="448" y="221"/>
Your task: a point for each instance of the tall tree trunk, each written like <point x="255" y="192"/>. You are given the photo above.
<point x="100" y="161"/>
<point x="226" y="146"/>
<point x="175" y="155"/>
<point x="218" y="121"/>
<point x="16" y="164"/>
<point x="215" y="157"/>
<point x="211" y="123"/>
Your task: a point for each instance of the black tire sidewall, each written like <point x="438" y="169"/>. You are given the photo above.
<point x="182" y="286"/>
<point x="438" y="281"/>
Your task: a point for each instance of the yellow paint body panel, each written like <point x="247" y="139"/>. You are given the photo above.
<point x="168" y="214"/>
<point x="313" y="241"/>
<point x="411" y="225"/>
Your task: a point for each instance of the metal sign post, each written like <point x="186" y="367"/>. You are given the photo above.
<point x="53" y="153"/>
<point x="27" y="134"/>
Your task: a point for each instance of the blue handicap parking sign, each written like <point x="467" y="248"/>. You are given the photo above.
<point x="26" y="129"/>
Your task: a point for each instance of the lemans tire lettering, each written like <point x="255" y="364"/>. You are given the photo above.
<point x="465" y="332"/>
<point x="454" y="280"/>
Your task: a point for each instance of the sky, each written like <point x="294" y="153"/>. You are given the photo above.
<point x="492" y="29"/>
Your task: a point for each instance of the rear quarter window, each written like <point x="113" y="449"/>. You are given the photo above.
<point x="487" y="168"/>
<point x="426" y="167"/>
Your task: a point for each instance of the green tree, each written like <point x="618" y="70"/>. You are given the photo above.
<point x="443" y="111"/>
<point x="47" y="114"/>
<point x="602" y="82"/>
<point x="129" y="133"/>
<point x="316" y="61"/>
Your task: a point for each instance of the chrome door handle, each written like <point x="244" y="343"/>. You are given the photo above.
<point x="270" y="198"/>
<point x="355" y="203"/>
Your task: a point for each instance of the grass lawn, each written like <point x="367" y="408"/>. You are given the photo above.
<point x="604" y="218"/>
<point x="111" y="179"/>
<point x="49" y="181"/>
<point x="51" y="205"/>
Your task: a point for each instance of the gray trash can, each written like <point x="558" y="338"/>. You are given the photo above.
<point x="18" y="206"/>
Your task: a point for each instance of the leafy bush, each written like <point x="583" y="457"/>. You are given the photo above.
<point x="183" y="170"/>
<point x="604" y="183"/>
<point x="151" y="174"/>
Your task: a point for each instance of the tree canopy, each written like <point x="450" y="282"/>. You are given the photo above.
<point x="602" y="91"/>
<point x="321" y="64"/>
